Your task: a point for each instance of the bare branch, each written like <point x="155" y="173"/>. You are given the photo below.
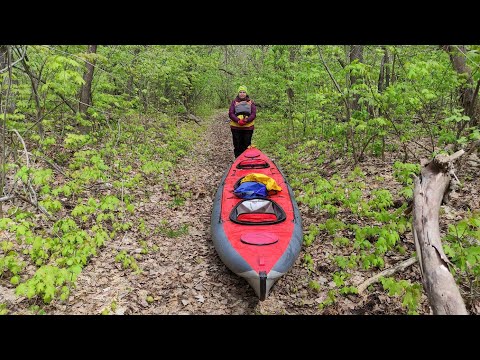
<point x="228" y="72"/>
<point x="6" y="198"/>
<point x="24" y="146"/>
<point x="56" y="92"/>
<point x="475" y="95"/>
<point x="9" y="66"/>
<point x="37" y="206"/>
<point x="188" y="117"/>
<point x="342" y="63"/>
<point x="387" y="272"/>
<point x="51" y="164"/>
<point x="334" y="81"/>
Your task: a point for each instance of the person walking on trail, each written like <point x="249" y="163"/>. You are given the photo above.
<point x="242" y="114"/>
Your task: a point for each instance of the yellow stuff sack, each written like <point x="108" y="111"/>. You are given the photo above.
<point x="270" y="183"/>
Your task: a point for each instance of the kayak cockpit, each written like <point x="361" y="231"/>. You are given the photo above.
<point x="257" y="212"/>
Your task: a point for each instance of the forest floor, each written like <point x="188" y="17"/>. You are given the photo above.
<point x="184" y="275"/>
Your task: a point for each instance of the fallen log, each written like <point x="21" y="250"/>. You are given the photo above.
<point x="430" y="189"/>
<point x="190" y="117"/>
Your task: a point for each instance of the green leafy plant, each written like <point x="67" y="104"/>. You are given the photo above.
<point x="168" y="231"/>
<point x="344" y="262"/>
<point x="348" y="290"/>
<point x="12" y="265"/>
<point x="105" y="311"/>
<point x="311" y="234"/>
<point x="127" y="261"/>
<point x="75" y="142"/>
<point x="3" y="309"/>
<point x="37" y="310"/>
<point x="462" y="246"/>
<point x="339" y="278"/>
<point x="341" y="241"/>
<point x="48" y="281"/>
<point x="315" y="286"/>
<point x="307" y="259"/>
<point x="404" y="173"/>
<point x="330" y="300"/>
<point x="410" y="293"/>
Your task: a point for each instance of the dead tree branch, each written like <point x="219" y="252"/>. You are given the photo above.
<point x="387" y="272"/>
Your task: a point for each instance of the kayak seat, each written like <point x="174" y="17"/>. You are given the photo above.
<point x="257" y="212"/>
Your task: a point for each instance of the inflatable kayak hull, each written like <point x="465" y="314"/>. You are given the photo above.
<point x="258" y="239"/>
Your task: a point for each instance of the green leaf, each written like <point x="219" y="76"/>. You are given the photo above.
<point x="30" y="292"/>
<point x="21" y="230"/>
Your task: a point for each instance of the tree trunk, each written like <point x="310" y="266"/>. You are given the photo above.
<point x="350" y="134"/>
<point x="35" y="81"/>
<point x="439" y="284"/>
<point x="356" y="53"/>
<point x="394" y="77"/>
<point x="387" y="69"/>
<point x="5" y="61"/>
<point x="290" y="92"/>
<point x="383" y="82"/>
<point x="136" y="51"/>
<point x="3" y="65"/>
<point x="466" y="91"/>
<point x="3" y="57"/>
<point x="381" y="76"/>
<point x="384" y="76"/>
<point x="85" y="92"/>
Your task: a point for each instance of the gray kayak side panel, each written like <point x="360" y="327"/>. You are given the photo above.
<point x="225" y="250"/>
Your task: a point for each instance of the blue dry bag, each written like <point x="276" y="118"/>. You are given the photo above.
<point x="251" y="190"/>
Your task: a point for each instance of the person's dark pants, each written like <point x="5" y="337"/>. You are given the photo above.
<point x="242" y="139"/>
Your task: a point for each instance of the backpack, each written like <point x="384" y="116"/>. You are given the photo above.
<point x="251" y="190"/>
<point x="243" y="107"/>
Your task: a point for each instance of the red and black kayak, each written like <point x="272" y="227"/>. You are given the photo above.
<point x="258" y="239"/>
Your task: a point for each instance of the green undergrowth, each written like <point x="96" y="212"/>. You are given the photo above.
<point x="360" y="218"/>
<point x="92" y="203"/>
<point x="354" y="213"/>
<point x="462" y="246"/>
